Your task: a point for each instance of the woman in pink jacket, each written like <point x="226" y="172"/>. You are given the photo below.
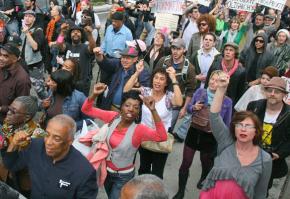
<point x="124" y="136"/>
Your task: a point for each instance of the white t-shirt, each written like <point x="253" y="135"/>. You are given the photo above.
<point x="189" y="31"/>
<point x="163" y="108"/>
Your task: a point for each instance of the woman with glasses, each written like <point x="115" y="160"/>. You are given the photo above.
<point x="198" y="139"/>
<point x="241" y="169"/>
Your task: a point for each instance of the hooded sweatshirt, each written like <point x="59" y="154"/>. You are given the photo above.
<point x="254" y="62"/>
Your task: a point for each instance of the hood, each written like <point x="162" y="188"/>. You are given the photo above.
<point x="265" y="38"/>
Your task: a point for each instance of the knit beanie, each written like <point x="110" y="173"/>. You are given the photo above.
<point x="118" y="15"/>
<point x="285" y="31"/>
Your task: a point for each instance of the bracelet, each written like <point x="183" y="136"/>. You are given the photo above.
<point x="175" y="83"/>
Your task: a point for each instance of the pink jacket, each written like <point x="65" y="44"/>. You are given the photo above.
<point x="97" y="156"/>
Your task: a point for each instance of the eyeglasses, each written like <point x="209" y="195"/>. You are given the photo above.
<point x="13" y="111"/>
<point x="203" y="24"/>
<point x="259" y="40"/>
<point x="276" y="91"/>
<point x="246" y="126"/>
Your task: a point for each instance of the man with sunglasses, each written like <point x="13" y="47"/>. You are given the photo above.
<point x="256" y="58"/>
<point x="275" y="116"/>
<point x="14" y="80"/>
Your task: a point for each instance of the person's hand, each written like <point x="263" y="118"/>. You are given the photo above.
<point x="201" y="77"/>
<point x="198" y="106"/>
<point x="255" y="82"/>
<point x="88" y="29"/>
<point x="275" y="156"/>
<point x="25" y="28"/>
<point x="99" y="88"/>
<point x="140" y="66"/>
<point x="20" y="138"/>
<point x="172" y="73"/>
<point x="181" y="113"/>
<point x="223" y="81"/>
<point x="64" y="27"/>
<point x="46" y="102"/>
<point x="98" y="51"/>
<point x="149" y="102"/>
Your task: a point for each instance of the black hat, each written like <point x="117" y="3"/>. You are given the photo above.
<point x="75" y="27"/>
<point x="15" y="39"/>
<point x="11" y="48"/>
<point x="118" y="16"/>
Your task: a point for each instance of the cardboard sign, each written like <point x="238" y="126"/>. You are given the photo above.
<point x="204" y="2"/>
<point x="244" y="5"/>
<point x="166" y="20"/>
<point x="276" y="4"/>
<point x="170" y="6"/>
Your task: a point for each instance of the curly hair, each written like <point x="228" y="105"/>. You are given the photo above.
<point x="209" y="19"/>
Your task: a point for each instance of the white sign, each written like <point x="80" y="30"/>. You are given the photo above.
<point x="276" y="4"/>
<point x="166" y="20"/>
<point x="170" y="6"/>
<point x="244" y="5"/>
<point x="204" y="2"/>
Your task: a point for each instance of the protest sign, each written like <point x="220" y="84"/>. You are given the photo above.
<point x="166" y="20"/>
<point x="204" y="2"/>
<point x="244" y="5"/>
<point x="170" y="6"/>
<point x="276" y="4"/>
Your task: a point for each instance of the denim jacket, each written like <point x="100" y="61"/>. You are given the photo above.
<point x="114" y="66"/>
<point x="72" y="106"/>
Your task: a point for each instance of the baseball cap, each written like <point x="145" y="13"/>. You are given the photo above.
<point x="31" y="12"/>
<point x="178" y="43"/>
<point x="15" y="39"/>
<point x="11" y="48"/>
<point x="130" y="51"/>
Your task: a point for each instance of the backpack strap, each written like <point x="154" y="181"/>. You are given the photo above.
<point x="168" y="57"/>
<point x="185" y="69"/>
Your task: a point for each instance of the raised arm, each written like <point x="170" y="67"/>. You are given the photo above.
<point x="177" y="95"/>
<point x="219" y="128"/>
<point x="134" y="78"/>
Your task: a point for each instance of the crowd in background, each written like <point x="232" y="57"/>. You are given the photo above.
<point x="219" y="83"/>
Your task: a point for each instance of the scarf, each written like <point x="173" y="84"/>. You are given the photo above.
<point x="50" y="28"/>
<point x="210" y="96"/>
<point x="232" y="70"/>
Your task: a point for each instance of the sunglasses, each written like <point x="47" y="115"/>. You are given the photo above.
<point x="13" y="111"/>
<point x="203" y="24"/>
<point x="259" y="41"/>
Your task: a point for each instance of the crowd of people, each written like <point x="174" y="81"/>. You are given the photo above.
<point x="219" y="83"/>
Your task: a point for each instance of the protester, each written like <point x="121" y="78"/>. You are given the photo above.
<point x="275" y="117"/>
<point x="198" y="138"/>
<point x="257" y="92"/>
<point x="54" y="165"/>
<point x="124" y="136"/>
<point x="14" y="81"/>
<point x="241" y="166"/>
<point x="154" y="162"/>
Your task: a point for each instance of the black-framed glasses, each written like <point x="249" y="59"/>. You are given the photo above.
<point x="259" y="40"/>
<point x="13" y="111"/>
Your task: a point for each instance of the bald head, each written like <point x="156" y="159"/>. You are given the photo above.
<point x="145" y="186"/>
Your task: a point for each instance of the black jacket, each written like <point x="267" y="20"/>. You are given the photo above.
<point x="248" y="55"/>
<point x="237" y="83"/>
<point x="280" y="135"/>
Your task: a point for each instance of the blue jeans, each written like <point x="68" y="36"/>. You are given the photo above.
<point x="182" y="129"/>
<point x="114" y="183"/>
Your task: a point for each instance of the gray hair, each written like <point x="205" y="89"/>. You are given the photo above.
<point x="30" y="104"/>
<point x="66" y="121"/>
<point x="149" y="187"/>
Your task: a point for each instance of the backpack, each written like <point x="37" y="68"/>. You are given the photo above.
<point x="184" y="69"/>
